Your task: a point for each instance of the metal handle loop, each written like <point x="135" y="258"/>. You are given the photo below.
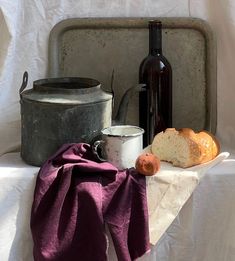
<point x="95" y="147"/>
<point x="24" y="82"/>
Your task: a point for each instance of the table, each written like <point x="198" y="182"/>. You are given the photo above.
<point x="204" y="229"/>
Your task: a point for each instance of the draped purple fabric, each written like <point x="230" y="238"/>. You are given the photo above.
<point x="75" y="196"/>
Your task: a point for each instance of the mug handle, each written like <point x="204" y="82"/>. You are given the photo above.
<point x="95" y="147"/>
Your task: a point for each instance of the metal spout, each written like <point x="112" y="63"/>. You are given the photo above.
<point x="120" y="118"/>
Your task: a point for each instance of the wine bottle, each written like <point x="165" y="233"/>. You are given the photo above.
<point x="155" y="101"/>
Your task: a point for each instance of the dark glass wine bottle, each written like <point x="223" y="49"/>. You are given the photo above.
<point x="155" y="101"/>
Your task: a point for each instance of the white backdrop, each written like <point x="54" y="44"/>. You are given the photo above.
<point x="24" y="31"/>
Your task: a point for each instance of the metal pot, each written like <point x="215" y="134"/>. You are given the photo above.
<point x="64" y="110"/>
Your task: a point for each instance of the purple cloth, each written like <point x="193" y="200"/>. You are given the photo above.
<point x="75" y="196"/>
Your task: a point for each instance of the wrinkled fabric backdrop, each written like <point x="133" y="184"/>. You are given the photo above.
<point x="24" y="32"/>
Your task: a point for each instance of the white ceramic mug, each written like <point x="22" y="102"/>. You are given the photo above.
<point x="120" y="145"/>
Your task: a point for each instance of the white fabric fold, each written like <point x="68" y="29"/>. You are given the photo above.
<point x="169" y="189"/>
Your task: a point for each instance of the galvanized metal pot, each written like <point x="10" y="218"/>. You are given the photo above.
<point x="58" y="111"/>
<point x="64" y="110"/>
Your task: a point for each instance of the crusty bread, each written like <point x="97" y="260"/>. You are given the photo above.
<point x="185" y="148"/>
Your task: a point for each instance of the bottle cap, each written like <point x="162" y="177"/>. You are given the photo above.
<point x="157" y="23"/>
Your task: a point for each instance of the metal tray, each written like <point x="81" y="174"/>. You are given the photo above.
<point x="95" y="47"/>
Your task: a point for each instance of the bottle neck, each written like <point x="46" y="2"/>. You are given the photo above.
<point x="155" y="38"/>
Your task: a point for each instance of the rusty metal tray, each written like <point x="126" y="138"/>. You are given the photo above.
<point x="94" y="47"/>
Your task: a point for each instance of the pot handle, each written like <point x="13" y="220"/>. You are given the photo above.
<point x="24" y="82"/>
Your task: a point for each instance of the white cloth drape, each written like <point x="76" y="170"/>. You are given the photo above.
<point x="24" y="31"/>
<point x="203" y="231"/>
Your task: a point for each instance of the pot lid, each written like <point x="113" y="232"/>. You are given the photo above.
<point x="67" y="90"/>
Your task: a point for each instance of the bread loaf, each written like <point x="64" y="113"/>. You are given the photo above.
<point x="185" y="148"/>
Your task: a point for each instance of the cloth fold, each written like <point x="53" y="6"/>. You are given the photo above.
<point x="75" y="196"/>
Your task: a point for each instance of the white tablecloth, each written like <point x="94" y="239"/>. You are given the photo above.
<point x="204" y="229"/>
